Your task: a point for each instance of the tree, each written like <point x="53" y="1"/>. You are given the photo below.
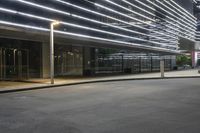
<point x="183" y="60"/>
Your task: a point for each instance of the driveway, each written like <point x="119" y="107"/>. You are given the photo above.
<point x="144" y="106"/>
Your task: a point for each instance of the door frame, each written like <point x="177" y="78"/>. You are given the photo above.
<point x="1" y="63"/>
<point x="16" y="64"/>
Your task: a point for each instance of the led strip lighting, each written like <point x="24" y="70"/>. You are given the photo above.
<point x="183" y="9"/>
<point x="189" y="21"/>
<point x="159" y="12"/>
<point x="141" y="3"/>
<point x="150" y="19"/>
<point x="98" y="22"/>
<point x="182" y="20"/>
<point x="185" y="15"/>
<point x="153" y="15"/>
<point x="113" y="3"/>
<point x="153" y="8"/>
<point x="79" y="26"/>
<point x="130" y="17"/>
<point x="103" y="15"/>
<point x="122" y="14"/>
<point x="87" y="37"/>
<point x="139" y="15"/>
<point x="84" y="18"/>
<point x="129" y="10"/>
<point x="168" y="13"/>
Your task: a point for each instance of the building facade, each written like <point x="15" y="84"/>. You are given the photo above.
<point x="196" y="50"/>
<point x="93" y="37"/>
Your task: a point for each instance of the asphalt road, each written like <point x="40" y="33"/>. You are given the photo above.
<point x="148" y="106"/>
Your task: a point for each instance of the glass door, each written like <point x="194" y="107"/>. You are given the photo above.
<point x="15" y="63"/>
<point x="23" y="65"/>
<point x="1" y="64"/>
<point x="9" y="63"/>
<point x="69" y="62"/>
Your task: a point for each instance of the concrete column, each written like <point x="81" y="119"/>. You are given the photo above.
<point x="1" y="64"/>
<point x="162" y="68"/>
<point x="88" y="62"/>
<point x="45" y="60"/>
<point x="87" y="58"/>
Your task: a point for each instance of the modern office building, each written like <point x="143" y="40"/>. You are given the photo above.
<point x="196" y="51"/>
<point x="93" y="37"/>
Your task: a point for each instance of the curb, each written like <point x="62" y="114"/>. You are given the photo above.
<point x="88" y="82"/>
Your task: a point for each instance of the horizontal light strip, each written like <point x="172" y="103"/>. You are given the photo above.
<point x="127" y="2"/>
<point x="149" y="7"/>
<point x="183" y="9"/>
<point x="113" y="3"/>
<point x="109" y="25"/>
<point x="138" y="1"/>
<point x="154" y="10"/>
<point x="44" y="7"/>
<point x="179" y="8"/>
<point x="138" y="14"/>
<point x="169" y="13"/>
<point x="85" y="36"/>
<point x="79" y="26"/>
<point x="186" y="16"/>
<point x="122" y="14"/>
<point x="7" y="10"/>
<point x="145" y="5"/>
<point x="23" y="26"/>
<point x="182" y="20"/>
<point x="114" y="11"/>
<point x="94" y="21"/>
<point x="115" y="27"/>
<point x="100" y="14"/>
<point x="173" y="20"/>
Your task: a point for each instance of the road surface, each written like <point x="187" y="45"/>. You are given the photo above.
<point x="145" y="106"/>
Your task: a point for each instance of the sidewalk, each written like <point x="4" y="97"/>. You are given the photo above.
<point x="8" y="86"/>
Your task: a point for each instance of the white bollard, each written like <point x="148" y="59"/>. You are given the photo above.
<point x="162" y="68"/>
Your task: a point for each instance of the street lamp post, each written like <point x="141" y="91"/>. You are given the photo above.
<point x="52" y="50"/>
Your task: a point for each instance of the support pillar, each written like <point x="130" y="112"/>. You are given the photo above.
<point x="45" y="60"/>
<point x="89" y="61"/>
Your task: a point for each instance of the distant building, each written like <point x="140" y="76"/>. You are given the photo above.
<point x="196" y="50"/>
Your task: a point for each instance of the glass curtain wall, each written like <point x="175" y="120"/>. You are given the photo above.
<point x="144" y="24"/>
<point x="19" y="59"/>
<point x="68" y="60"/>
<point x="14" y="63"/>
<point x="1" y="64"/>
<point x="117" y="61"/>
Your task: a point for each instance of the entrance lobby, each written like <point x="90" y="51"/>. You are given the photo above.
<point x="19" y="59"/>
